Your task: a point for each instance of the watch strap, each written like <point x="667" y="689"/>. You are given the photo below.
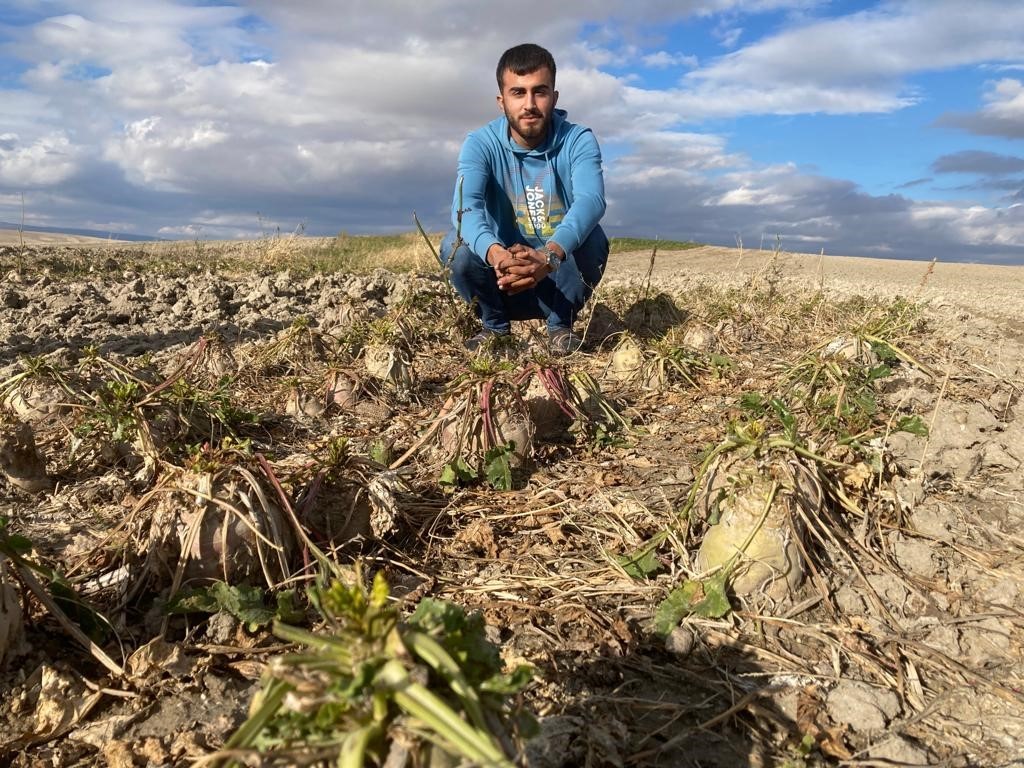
<point x="554" y="260"/>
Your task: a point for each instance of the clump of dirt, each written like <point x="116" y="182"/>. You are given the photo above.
<point x="276" y="419"/>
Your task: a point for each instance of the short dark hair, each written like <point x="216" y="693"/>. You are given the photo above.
<point x="524" y="59"/>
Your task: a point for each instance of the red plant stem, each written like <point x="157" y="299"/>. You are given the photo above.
<point x="490" y="435"/>
<point x="553" y="384"/>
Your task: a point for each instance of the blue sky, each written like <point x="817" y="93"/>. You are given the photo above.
<point x="862" y="128"/>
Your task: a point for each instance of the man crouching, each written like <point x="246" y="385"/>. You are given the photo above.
<point x="532" y="194"/>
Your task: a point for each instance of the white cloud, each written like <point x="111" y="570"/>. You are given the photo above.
<point x="746" y="195"/>
<point x="46" y="161"/>
<point x="152" y="151"/>
<point x="807" y="212"/>
<point x="28" y="113"/>
<point x="665" y="59"/>
<point x="727" y="34"/>
<point x="192" y="118"/>
<point x="857" y="63"/>
<point x="848" y="65"/>
<point x="671" y="154"/>
<point x="108" y="34"/>
<point x="973" y="224"/>
<point x="442" y="21"/>
<point x="896" y="39"/>
<point x="1002" y="115"/>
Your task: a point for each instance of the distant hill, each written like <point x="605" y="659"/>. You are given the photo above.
<point x="80" y="232"/>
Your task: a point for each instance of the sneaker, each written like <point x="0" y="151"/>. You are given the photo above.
<point x="482" y="338"/>
<point x="562" y="341"/>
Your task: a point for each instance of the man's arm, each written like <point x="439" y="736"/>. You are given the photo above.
<point x="477" y="227"/>
<point x="474" y="172"/>
<point x="588" y="203"/>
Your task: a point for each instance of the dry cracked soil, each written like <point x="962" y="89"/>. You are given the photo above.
<point x="901" y="644"/>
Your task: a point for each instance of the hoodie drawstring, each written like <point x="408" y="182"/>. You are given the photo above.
<point x="548" y="192"/>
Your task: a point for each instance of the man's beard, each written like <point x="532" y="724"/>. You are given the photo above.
<point x="529" y="131"/>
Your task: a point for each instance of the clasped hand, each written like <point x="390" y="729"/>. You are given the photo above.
<point x="518" y="267"/>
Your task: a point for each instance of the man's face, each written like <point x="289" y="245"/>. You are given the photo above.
<point x="528" y="101"/>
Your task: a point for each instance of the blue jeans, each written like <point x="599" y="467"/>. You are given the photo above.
<point x="557" y="298"/>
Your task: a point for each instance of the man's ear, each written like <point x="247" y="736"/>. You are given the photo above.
<point x="554" y="102"/>
<point x="501" y="103"/>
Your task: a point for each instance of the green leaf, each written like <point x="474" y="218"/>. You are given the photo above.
<point x="362" y="679"/>
<point x="18" y="544"/>
<point x="785" y="416"/>
<point x="640" y="564"/>
<point x="457" y="472"/>
<point x="360" y="673"/>
<point x="511" y="683"/>
<point x="287" y="611"/>
<point x="706" y="598"/>
<point x="462" y="636"/>
<point x="193" y="601"/>
<point x="673" y="608"/>
<point x="380" y="452"/>
<point x="12" y="544"/>
<point x="715" y="603"/>
<point x="865" y="402"/>
<point x="879" y="372"/>
<point x="255" y="617"/>
<point x="912" y="424"/>
<point x="438" y="616"/>
<point x="752" y="402"/>
<point x="243" y="602"/>
<point x="498" y="467"/>
<point x="721" y="362"/>
<point x="884" y="352"/>
<point x="715" y="506"/>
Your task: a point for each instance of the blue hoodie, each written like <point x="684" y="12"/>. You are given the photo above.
<point x="513" y="194"/>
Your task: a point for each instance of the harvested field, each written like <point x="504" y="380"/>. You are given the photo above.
<point x="187" y="435"/>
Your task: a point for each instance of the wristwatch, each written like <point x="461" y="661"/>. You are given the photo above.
<point x="554" y="260"/>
